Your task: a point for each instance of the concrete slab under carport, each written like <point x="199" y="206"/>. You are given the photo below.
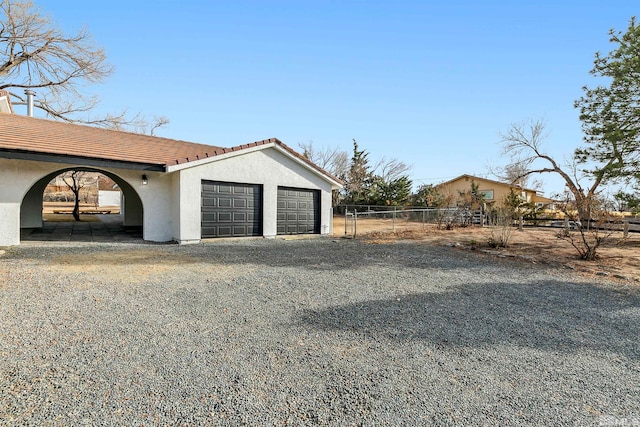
<point x="108" y="228"/>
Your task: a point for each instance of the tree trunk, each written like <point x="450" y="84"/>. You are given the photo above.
<point x="76" y="206"/>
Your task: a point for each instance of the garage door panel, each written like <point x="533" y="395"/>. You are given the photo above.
<point x="231" y="209"/>
<point x="240" y="203"/>
<point x="222" y="217"/>
<point x="240" y="217"/>
<point x="222" y="202"/>
<point x="298" y="211"/>
<point x="222" y="231"/>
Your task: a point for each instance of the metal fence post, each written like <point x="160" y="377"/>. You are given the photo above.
<point x="394" y="220"/>
<point x="355" y="222"/>
<point x="345" y="222"/>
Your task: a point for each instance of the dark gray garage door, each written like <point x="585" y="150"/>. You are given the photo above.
<point x="231" y="209"/>
<point x="298" y="211"/>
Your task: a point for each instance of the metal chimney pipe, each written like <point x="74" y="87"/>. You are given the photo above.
<point x="30" y="95"/>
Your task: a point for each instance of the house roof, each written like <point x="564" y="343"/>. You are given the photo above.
<point x="31" y="134"/>
<point x="487" y="180"/>
<point x="24" y="135"/>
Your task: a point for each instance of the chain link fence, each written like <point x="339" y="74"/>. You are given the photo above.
<point x="366" y="219"/>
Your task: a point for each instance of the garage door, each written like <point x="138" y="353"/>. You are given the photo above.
<point x="298" y="211"/>
<point x="231" y="209"/>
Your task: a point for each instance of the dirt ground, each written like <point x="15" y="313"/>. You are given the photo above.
<point x="619" y="258"/>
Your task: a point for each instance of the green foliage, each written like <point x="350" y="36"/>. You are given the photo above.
<point x="428" y="195"/>
<point x="472" y="198"/>
<point x="359" y="178"/>
<point x="364" y="187"/>
<point x="516" y="206"/>
<point x="628" y="201"/>
<point x="513" y="201"/>
<point x="609" y="113"/>
<point x="392" y="193"/>
<point x="611" y="151"/>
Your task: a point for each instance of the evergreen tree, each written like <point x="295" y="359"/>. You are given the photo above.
<point x="609" y="113"/>
<point x="393" y="193"/>
<point x="428" y="195"/>
<point x="359" y="178"/>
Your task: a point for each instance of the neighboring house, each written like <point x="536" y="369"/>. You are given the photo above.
<point x="176" y="190"/>
<point x="494" y="192"/>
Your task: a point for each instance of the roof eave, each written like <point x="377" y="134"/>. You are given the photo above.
<point x="485" y="179"/>
<point x="79" y="160"/>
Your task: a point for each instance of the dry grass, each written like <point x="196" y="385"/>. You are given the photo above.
<point x="51" y="217"/>
<point x="136" y="265"/>
<point x="619" y="258"/>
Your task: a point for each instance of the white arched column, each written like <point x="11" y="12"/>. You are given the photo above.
<point x="22" y="184"/>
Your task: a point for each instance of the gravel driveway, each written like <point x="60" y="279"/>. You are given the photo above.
<point x="304" y="332"/>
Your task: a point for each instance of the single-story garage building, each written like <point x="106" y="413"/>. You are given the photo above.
<point x="176" y="190"/>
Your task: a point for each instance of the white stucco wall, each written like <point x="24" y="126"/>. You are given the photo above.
<point x="157" y="199"/>
<point x="9" y="224"/>
<point x="17" y="177"/>
<point x="168" y="206"/>
<point x="268" y="167"/>
<point x="109" y="197"/>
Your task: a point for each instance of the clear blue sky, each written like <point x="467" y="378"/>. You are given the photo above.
<point x="429" y="83"/>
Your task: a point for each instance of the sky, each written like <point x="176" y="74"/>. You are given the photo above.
<point x="432" y="84"/>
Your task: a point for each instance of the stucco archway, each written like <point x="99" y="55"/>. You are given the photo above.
<point x="31" y="205"/>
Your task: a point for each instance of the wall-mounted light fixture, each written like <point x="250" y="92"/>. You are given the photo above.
<point x="145" y="180"/>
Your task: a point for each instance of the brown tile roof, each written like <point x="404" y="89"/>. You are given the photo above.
<point x="45" y="136"/>
<point x="34" y="135"/>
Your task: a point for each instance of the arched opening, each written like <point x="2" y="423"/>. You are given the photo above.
<point x="127" y="224"/>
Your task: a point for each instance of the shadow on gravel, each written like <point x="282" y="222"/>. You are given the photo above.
<point x="552" y="316"/>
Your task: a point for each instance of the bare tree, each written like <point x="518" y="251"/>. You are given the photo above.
<point x="386" y="182"/>
<point x="36" y="55"/>
<point x="390" y="169"/>
<point x="158" y="122"/>
<point x="586" y="238"/>
<point x="333" y="160"/>
<point x="522" y="143"/>
<point x="515" y="174"/>
<point x="75" y="182"/>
